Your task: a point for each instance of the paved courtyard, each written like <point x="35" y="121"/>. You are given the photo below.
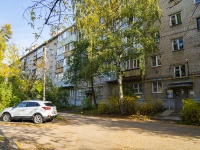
<point x="79" y="132"/>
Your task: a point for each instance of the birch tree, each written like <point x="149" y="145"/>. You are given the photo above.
<point x="118" y="30"/>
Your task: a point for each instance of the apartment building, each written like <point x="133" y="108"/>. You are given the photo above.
<point x="33" y="61"/>
<point x="172" y="73"/>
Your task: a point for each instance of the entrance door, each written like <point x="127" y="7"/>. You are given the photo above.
<point x="180" y="94"/>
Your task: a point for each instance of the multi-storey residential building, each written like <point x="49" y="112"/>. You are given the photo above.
<point x="33" y="64"/>
<point x="172" y="73"/>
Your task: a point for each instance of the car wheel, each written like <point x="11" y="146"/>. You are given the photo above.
<point x="37" y="119"/>
<point x="6" y="117"/>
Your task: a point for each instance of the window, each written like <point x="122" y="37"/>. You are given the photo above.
<point x="32" y="104"/>
<point x="69" y="46"/>
<point x="132" y="64"/>
<point x="175" y="19"/>
<point x="198" y="23"/>
<point x="179" y="71"/>
<point x="157" y="87"/>
<point x="178" y="44"/>
<point x="196" y="1"/>
<point x="72" y="93"/>
<point x="156" y="61"/>
<point x="59" y="64"/>
<point x="137" y="88"/>
<point x="22" y="104"/>
<point x="157" y="36"/>
<point x="59" y="77"/>
<point x="60" y="50"/>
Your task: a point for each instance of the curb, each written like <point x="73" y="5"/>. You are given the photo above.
<point x="8" y="144"/>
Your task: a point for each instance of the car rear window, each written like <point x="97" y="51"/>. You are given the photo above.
<point x="49" y="104"/>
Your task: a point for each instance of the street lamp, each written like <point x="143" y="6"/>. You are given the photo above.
<point x="44" y="75"/>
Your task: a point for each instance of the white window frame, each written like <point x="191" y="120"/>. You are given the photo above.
<point x="176" y="19"/>
<point x="157" y="61"/>
<point x="179" y="69"/>
<point x="159" y="87"/>
<point x="177" y="41"/>
<point x="138" y="88"/>
<point x="132" y="62"/>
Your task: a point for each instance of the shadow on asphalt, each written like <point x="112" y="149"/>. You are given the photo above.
<point x="155" y="127"/>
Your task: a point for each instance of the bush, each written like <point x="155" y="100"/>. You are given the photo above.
<point x="191" y="111"/>
<point x="111" y="106"/>
<point x="149" y="107"/>
<point x="129" y="105"/>
<point x="102" y="108"/>
<point x="86" y="104"/>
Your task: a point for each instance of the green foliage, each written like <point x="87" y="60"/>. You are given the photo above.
<point x="58" y="96"/>
<point x="152" y="107"/>
<point x="87" y="104"/>
<point x="128" y="89"/>
<point x="5" y="95"/>
<point x="191" y="111"/>
<point x="102" y="108"/>
<point x="37" y="90"/>
<point x="129" y="105"/>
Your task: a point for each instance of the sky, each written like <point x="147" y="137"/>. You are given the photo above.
<point x="11" y="12"/>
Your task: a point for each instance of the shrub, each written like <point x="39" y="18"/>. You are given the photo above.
<point x="191" y="111"/>
<point x="113" y="105"/>
<point x="86" y="104"/>
<point x="129" y="105"/>
<point x="102" y="108"/>
<point x="149" y="107"/>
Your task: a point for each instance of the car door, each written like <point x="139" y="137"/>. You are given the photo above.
<point x="17" y="111"/>
<point x="31" y="108"/>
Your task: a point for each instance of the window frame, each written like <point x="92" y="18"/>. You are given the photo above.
<point x="178" y="44"/>
<point x="139" y="88"/>
<point x="135" y="64"/>
<point x="157" y="60"/>
<point x="157" y="87"/>
<point x="180" y="71"/>
<point x="176" y="19"/>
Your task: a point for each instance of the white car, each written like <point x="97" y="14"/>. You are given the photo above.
<point x="36" y="110"/>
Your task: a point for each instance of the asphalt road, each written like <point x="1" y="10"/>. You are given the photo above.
<point x="94" y="133"/>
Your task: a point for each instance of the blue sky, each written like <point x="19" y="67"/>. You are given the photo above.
<point x="11" y="12"/>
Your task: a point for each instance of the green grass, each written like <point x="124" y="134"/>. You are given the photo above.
<point x="2" y="138"/>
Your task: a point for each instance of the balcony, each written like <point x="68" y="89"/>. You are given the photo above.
<point x="67" y="54"/>
<point x="59" y="70"/>
<point x="132" y="73"/>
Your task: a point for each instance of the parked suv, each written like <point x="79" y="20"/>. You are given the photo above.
<point x="36" y="110"/>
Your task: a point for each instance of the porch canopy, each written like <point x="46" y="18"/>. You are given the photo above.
<point x="181" y="84"/>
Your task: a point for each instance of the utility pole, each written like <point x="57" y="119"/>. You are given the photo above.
<point x="44" y="75"/>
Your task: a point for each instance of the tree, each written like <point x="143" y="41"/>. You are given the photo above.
<point x="82" y="68"/>
<point x="5" y="35"/>
<point x="118" y="30"/>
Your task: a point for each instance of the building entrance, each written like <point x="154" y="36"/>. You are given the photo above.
<point x="180" y="94"/>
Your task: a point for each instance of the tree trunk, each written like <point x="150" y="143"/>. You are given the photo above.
<point x="93" y="92"/>
<point x="120" y="92"/>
